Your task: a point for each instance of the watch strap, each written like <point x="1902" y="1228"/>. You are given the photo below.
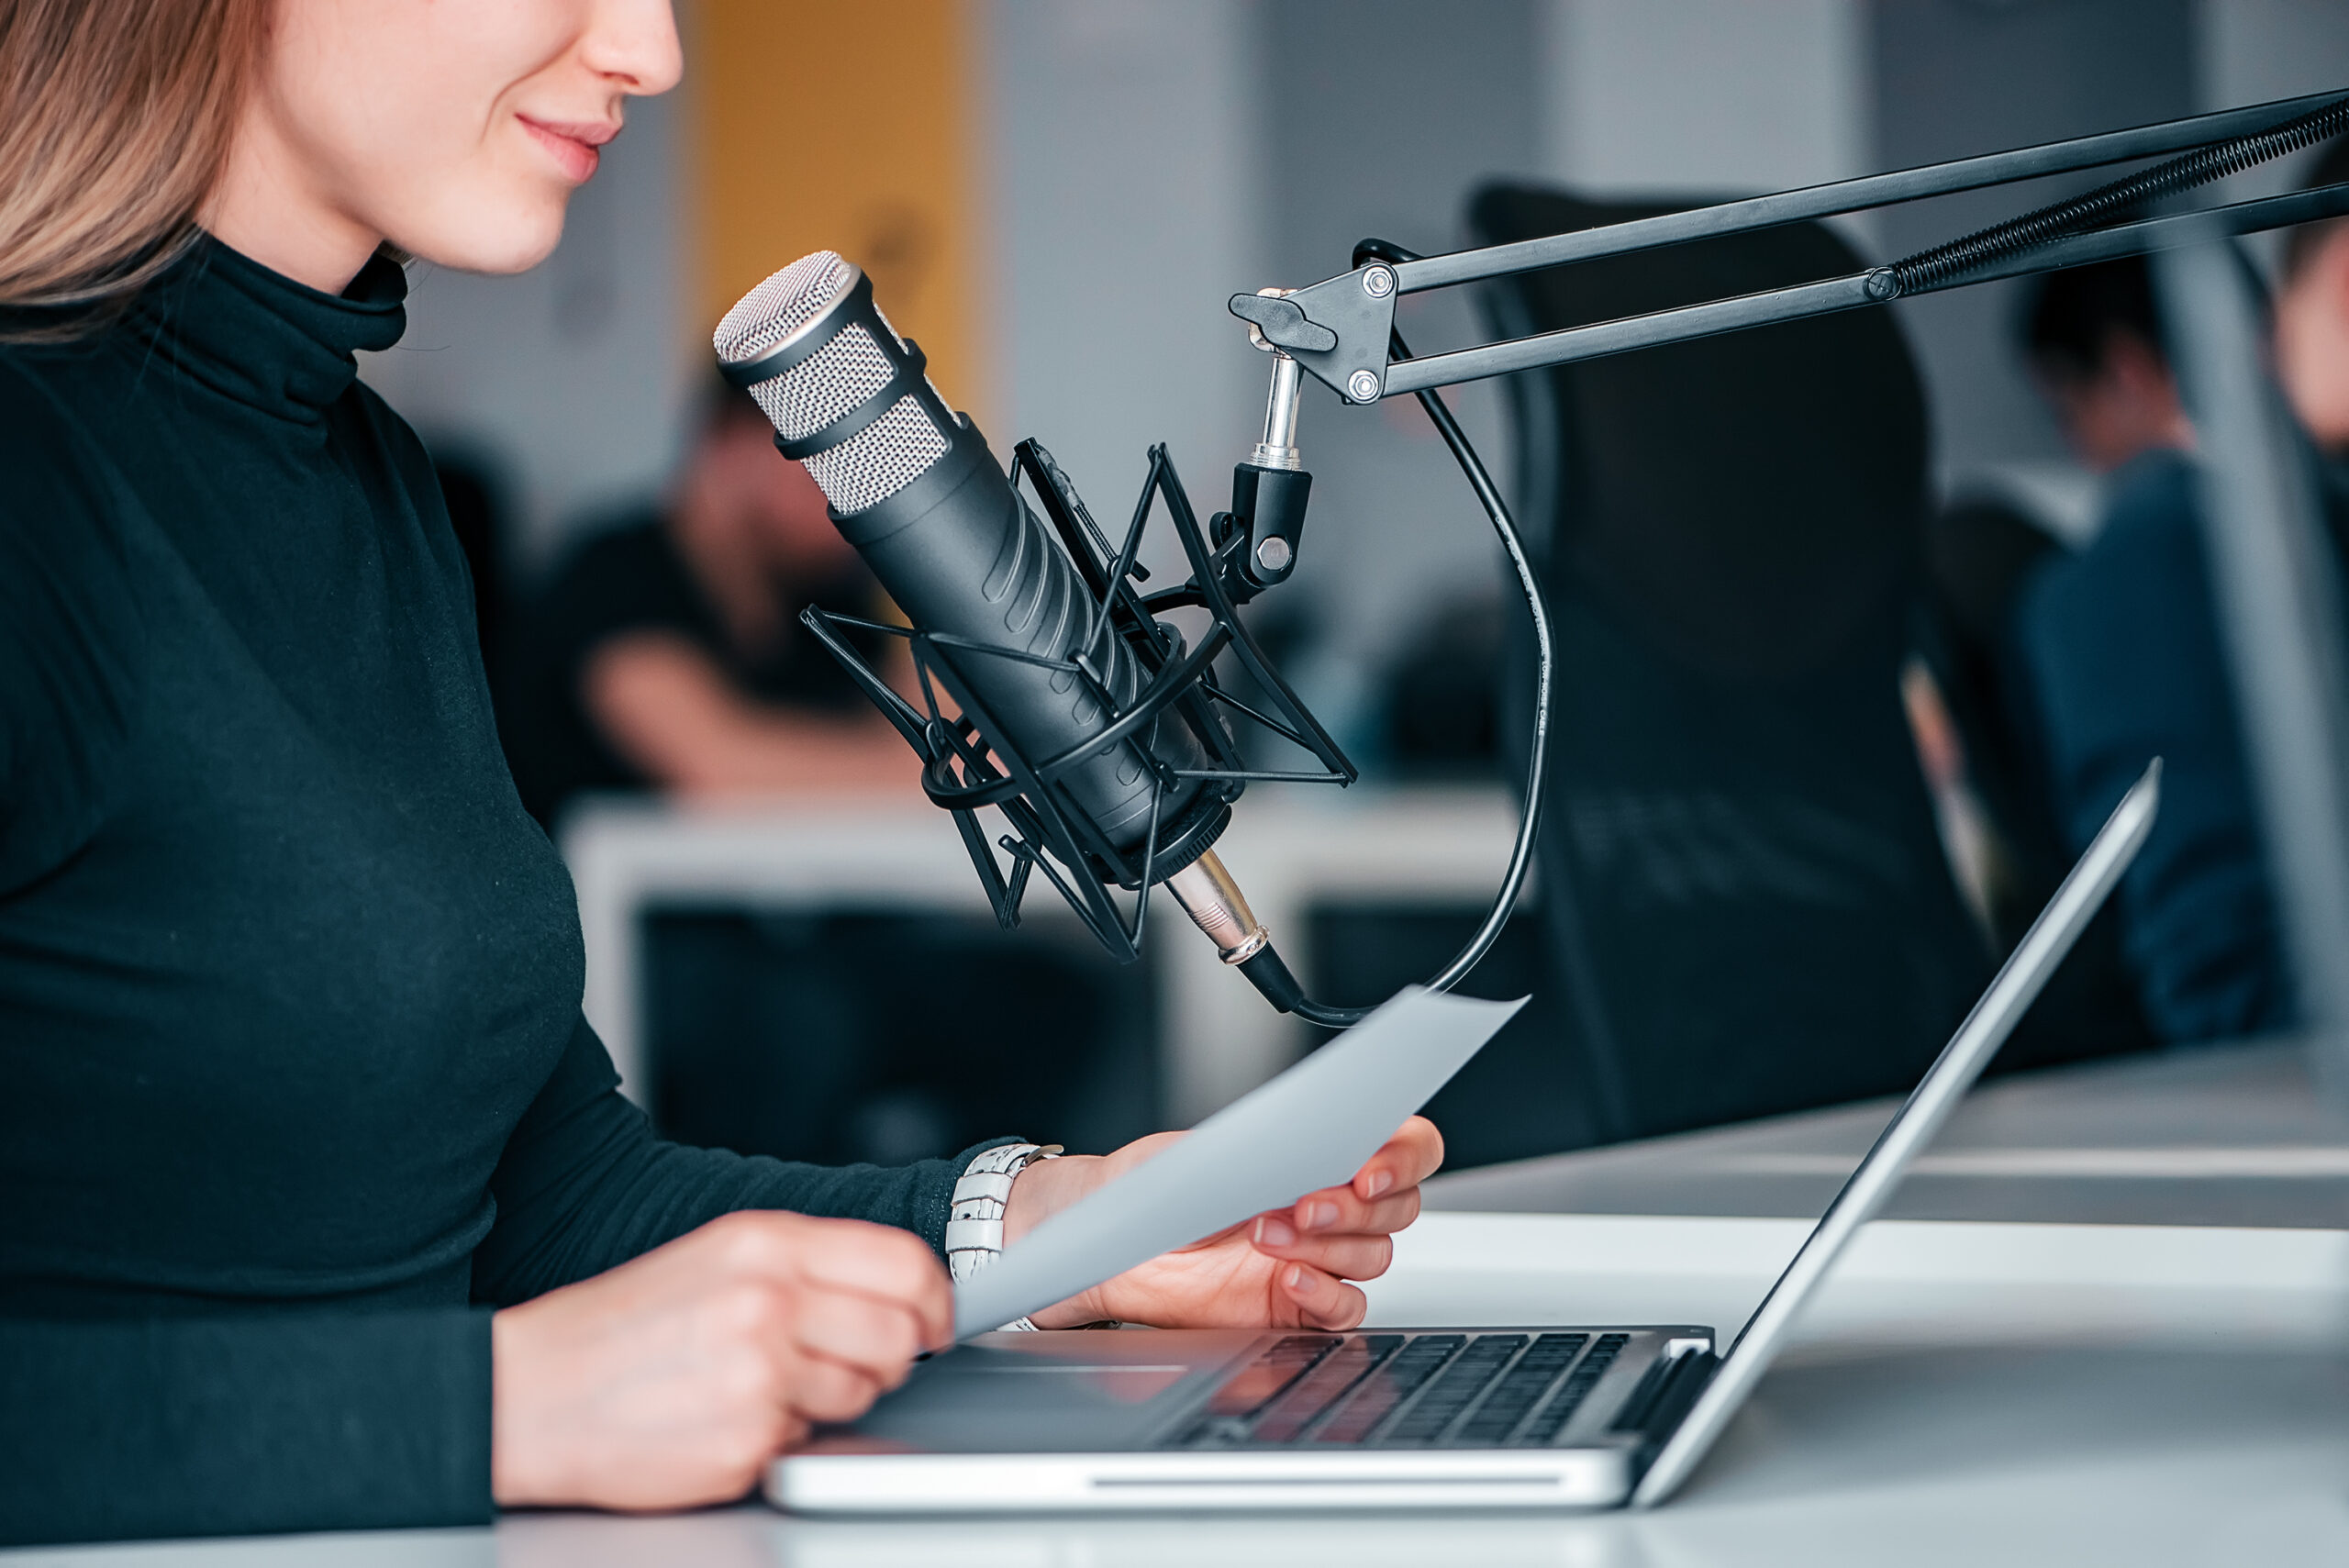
<point x="974" y="1216"/>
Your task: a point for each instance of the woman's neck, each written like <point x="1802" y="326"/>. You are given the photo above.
<point x="267" y="206"/>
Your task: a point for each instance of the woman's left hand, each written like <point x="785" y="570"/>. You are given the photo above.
<point x="1284" y="1269"/>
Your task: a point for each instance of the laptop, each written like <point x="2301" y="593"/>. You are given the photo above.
<point x="1531" y="1416"/>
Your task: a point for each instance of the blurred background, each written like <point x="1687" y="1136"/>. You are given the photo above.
<point x="1797" y="689"/>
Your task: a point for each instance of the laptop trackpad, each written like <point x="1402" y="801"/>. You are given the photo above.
<point x="1047" y="1392"/>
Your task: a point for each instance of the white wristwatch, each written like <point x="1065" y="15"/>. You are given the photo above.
<point x="975" y="1220"/>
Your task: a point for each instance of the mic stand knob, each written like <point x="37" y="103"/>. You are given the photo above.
<point x="1278" y="448"/>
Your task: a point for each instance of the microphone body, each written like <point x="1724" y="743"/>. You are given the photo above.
<point x="913" y="488"/>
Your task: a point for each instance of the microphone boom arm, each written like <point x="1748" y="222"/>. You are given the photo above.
<point x="1339" y="329"/>
<point x="1342" y="330"/>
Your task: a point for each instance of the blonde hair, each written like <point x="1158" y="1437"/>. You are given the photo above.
<point x="115" y="118"/>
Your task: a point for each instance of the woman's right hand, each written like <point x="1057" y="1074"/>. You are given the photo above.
<point x="671" y="1381"/>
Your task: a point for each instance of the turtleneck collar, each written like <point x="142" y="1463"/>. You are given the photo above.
<point x="226" y="321"/>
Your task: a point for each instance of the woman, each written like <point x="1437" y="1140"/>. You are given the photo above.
<point x="317" y="1205"/>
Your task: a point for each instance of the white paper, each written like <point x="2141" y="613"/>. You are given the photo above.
<point x="1309" y="1129"/>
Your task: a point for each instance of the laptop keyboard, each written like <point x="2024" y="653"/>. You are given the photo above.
<point x="1405" y="1390"/>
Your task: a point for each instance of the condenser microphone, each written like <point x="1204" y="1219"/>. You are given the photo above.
<point x="994" y="595"/>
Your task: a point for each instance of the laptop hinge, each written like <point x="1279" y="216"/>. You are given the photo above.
<point x="1664" y="1396"/>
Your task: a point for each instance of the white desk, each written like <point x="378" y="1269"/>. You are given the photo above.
<point x="2013" y="1455"/>
<point x="2021" y="1392"/>
<point x="2229" y="1136"/>
<point x="1220" y="1039"/>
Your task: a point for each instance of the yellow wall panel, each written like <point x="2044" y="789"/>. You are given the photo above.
<point x="845" y="126"/>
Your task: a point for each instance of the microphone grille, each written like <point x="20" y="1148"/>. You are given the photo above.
<point x="787" y="301"/>
<point x="886" y="455"/>
<point x="880" y="459"/>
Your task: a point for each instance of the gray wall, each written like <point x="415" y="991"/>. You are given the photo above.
<point x="1956" y="77"/>
<point x="1664" y="97"/>
<point x="1121" y="135"/>
<point x="2251" y="52"/>
<point x="1150" y="158"/>
<point x="1383" y="116"/>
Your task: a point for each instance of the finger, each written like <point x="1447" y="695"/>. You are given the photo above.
<point x="874" y="1261"/>
<point x="1409" y="1158"/>
<point x="878" y="1339"/>
<point x="1338" y="1211"/>
<point x="1347" y="1257"/>
<point x="889" y="1266"/>
<point x="1319" y="1300"/>
<point x="824" y="1390"/>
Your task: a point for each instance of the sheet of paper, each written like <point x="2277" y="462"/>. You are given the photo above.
<point x="1310" y="1128"/>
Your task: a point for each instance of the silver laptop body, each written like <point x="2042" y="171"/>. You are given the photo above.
<point x="1526" y="1416"/>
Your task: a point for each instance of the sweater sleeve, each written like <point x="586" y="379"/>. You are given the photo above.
<point x="585" y="1185"/>
<point x="320" y="1420"/>
<point x="243" y="1425"/>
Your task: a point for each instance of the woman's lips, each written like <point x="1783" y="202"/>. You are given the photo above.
<point x="572" y="145"/>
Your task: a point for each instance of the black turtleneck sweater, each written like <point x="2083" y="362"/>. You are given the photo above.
<point x="294" y="1085"/>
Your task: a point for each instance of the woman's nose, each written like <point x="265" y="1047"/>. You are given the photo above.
<point x="634" y="42"/>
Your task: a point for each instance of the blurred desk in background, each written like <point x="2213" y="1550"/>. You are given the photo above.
<point x="2193" y="1200"/>
<point x="2222" y="1136"/>
<point x="1217" y="1038"/>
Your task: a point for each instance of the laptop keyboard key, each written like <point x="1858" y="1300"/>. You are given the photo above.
<point x="1394" y="1381"/>
<point x="1225" y="1420"/>
<point x="1422" y="1390"/>
<point x="1545" y="1427"/>
<point x="1435" y="1410"/>
<point x="1278" y="1366"/>
<point x="1519" y="1389"/>
<point x="1287" y="1416"/>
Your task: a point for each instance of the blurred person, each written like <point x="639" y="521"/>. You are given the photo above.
<point x="2093" y="334"/>
<point x="2122" y="640"/>
<point x="319" y="1207"/>
<point x="2312" y="320"/>
<point x="667" y="652"/>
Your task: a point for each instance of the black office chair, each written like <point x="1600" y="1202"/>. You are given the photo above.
<point x="1745" y="904"/>
<point x="1980" y="553"/>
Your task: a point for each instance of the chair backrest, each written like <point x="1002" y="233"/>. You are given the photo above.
<point x="1980" y="552"/>
<point x="1743" y="887"/>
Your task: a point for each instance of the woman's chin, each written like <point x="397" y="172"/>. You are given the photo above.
<point x="517" y="238"/>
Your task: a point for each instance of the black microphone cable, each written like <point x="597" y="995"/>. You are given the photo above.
<point x="1521" y="860"/>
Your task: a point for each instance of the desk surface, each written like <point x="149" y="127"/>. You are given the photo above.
<point x="2232" y="1136"/>
<point x="2119" y="1382"/>
<point x="2077" y="1457"/>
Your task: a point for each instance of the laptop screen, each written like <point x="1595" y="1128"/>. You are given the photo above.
<point x="2010" y="994"/>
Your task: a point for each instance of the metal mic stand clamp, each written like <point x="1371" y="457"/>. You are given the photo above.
<point x="1269" y="491"/>
<point x="1341" y="328"/>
